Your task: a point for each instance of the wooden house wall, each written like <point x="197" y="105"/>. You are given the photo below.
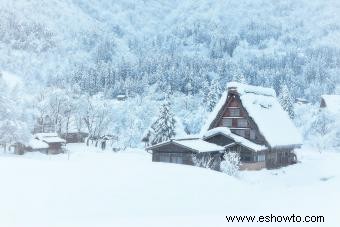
<point x="235" y="102"/>
<point x="172" y="153"/>
<point x="78" y="137"/>
<point x="276" y="158"/>
<point x="55" y="148"/>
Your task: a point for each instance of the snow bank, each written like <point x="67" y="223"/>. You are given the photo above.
<point x="127" y="189"/>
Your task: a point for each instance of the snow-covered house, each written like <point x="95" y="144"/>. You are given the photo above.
<point x="76" y="132"/>
<point x="121" y="97"/>
<point x="185" y="150"/>
<point x="331" y="103"/>
<point x="249" y="119"/>
<point x="54" y="142"/>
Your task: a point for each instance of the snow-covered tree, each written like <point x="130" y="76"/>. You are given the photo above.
<point x="14" y="127"/>
<point x="286" y="100"/>
<point x="209" y="161"/>
<point x="231" y="163"/>
<point x="213" y="95"/>
<point x="97" y="116"/>
<point x="165" y="126"/>
<point x="325" y="132"/>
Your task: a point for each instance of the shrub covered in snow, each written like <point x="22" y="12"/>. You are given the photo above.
<point x="231" y="163"/>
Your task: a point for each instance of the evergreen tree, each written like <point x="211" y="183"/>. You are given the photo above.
<point x="238" y="76"/>
<point x="213" y="95"/>
<point x="164" y="126"/>
<point x="286" y="100"/>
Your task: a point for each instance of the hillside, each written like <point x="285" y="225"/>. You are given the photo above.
<point x="44" y="39"/>
<point x="153" y="49"/>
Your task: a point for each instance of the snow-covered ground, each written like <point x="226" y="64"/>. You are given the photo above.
<point x="93" y="188"/>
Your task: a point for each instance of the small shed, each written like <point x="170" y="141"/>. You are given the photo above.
<point x="188" y="151"/>
<point x="121" y="97"/>
<point x="55" y="143"/>
<point x="37" y="145"/>
<point x="75" y="132"/>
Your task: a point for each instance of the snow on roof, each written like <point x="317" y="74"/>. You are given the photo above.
<point x="263" y="107"/>
<point x="332" y="103"/>
<point x="238" y="139"/>
<point x="197" y="145"/>
<point x="49" y="138"/>
<point x="246" y="89"/>
<point x="37" y="144"/>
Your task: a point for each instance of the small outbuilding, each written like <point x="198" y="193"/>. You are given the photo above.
<point x="121" y="97"/>
<point x="36" y="145"/>
<point x="188" y="151"/>
<point x="55" y="143"/>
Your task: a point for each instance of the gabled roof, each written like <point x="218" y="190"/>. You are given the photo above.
<point x="37" y="144"/>
<point x="49" y="138"/>
<point x="238" y="139"/>
<point x="332" y="103"/>
<point x="197" y="145"/>
<point x="263" y="107"/>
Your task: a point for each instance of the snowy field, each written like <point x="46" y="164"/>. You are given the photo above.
<point x="94" y="188"/>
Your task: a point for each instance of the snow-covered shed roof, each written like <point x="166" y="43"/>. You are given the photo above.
<point x="331" y="103"/>
<point x="49" y="137"/>
<point x="37" y="144"/>
<point x="197" y="145"/>
<point x="263" y="107"/>
<point x="238" y="139"/>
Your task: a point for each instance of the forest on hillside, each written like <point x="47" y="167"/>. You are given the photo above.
<point x="75" y="57"/>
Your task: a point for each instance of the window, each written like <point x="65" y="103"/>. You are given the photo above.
<point x="227" y="122"/>
<point x="242" y="123"/>
<point x="234" y="112"/>
<point x="261" y="157"/>
<point x="246" y="156"/>
<point x="240" y="132"/>
<point x="252" y="134"/>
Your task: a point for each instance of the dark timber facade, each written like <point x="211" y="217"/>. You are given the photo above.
<point x="234" y="116"/>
